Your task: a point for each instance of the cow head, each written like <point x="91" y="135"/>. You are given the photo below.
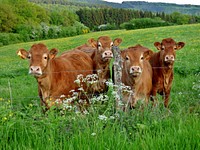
<point x="38" y="57"/>
<point x="134" y="58"/>
<point x="104" y="46"/>
<point x="168" y="49"/>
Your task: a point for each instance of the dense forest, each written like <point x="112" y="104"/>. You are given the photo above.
<point x="114" y="18"/>
<point x="23" y="20"/>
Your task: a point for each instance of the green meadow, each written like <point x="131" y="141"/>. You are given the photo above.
<point x="23" y="126"/>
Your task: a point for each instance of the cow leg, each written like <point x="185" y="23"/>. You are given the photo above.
<point x="133" y="102"/>
<point x="42" y="102"/>
<point x="166" y="99"/>
<point x="153" y="97"/>
<point x="166" y="96"/>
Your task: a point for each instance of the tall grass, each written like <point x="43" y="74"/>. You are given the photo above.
<point x="24" y="126"/>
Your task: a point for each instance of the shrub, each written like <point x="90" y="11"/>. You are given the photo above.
<point x="144" y="23"/>
<point x="148" y="23"/>
<point x="80" y="28"/>
<point x="127" y="26"/>
<point x="9" y="38"/>
<point x="25" y="33"/>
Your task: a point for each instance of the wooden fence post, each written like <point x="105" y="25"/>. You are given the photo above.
<point x="117" y="64"/>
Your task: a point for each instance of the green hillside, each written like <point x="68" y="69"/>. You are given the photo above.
<point x="23" y="126"/>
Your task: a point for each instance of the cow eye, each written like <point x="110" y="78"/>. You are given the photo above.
<point x="112" y="44"/>
<point x="127" y="58"/>
<point x="142" y="58"/>
<point x="99" y="45"/>
<point x="29" y="57"/>
<point x="45" y="57"/>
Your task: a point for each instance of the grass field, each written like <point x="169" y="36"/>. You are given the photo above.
<point x="23" y="126"/>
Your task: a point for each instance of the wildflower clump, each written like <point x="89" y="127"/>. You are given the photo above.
<point x="6" y="112"/>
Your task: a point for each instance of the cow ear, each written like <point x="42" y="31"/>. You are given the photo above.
<point x="122" y="53"/>
<point x="22" y="53"/>
<point x="147" y="54"/>
<point x="93" y="42"/>
<point x="117" y="41"/>
<point x="53" y="52"/>
<point x="157" y="45"/>
<point x="180" y="45"/>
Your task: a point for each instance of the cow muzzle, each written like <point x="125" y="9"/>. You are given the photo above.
<point x="35" y="70"/>
<point x="135" y="71"/>
<point x="107" y="55"/>
<point x="169" y="59"/>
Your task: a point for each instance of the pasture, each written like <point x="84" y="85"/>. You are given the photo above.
<point x="23" y="126"/>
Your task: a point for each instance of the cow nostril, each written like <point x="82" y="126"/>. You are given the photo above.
<point x="37" y="69"/>
<point x="106" y="54"/>
<point x="167" y="57"/>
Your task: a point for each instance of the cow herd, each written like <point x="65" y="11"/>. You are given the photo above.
<point x="146" y="72"/>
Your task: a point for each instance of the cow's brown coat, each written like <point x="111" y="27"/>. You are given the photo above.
<point x="162" y="63"/>
<point x="55" y="75"/>
<point x="137" y="73"/>
<point x="101" y="54"/>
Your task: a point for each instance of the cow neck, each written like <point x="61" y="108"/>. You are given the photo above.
<point x="99" y="63"/>
<point x="167" y="73"/>
<point x="44" y="82"/>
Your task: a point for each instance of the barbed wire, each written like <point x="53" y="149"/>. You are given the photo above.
<point x="71" y="71"/>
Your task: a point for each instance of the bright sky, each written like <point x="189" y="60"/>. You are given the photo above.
<point x="192" y="2"/>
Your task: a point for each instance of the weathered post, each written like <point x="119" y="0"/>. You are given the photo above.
<point x="117" y="64"/>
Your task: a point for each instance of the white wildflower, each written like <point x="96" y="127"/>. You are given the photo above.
<point x="112" y="117"/>
<point x="85" y="112"/>
<point x="62" y="96"/>
<point x="102" y="117"/>
<point x="72" y="91"/>
<point x="77" y="81"/>
<point x="93" y="134"/>
<point x="180" y="93"/>
<point x="80" y="89"/>
<point x="80" y="76"/>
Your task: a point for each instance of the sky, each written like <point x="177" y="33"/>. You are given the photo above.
<point x="192" y="2"/>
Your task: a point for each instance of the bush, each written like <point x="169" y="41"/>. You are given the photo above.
<point x="127" y="26"/>
<point x="10" y="38"/>
<point x="25" y="33"/>
<point x="148" y="23"/>
<point x="80" y="28"/>
<point x="144" y="23"/>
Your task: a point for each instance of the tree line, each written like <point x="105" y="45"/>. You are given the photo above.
<point x="114" y="17"/>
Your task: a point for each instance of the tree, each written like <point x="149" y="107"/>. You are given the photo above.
<point x="8" y="18"/>
<point x="179" y="18"/>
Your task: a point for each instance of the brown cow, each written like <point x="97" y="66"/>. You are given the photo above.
<point x="137" y="73"/>
<point x="55" y="75"/>
<point x="87" y="48"/>
<point x="101" y="59"/>
<point x="162" y="63"/>
<point x="101" y="54"/>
